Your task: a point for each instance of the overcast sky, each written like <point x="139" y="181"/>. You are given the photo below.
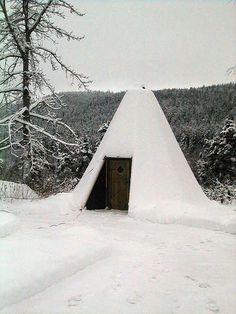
<point x="158" y="43"/>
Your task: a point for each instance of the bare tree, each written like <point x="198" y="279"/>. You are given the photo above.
<point x="27" y="31"/>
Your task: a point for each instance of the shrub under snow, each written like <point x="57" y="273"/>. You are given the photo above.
<point x="12" y="190"/>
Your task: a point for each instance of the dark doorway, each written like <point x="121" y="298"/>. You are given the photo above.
<point x="112" y="186"/>
<point x="97" y="197"/>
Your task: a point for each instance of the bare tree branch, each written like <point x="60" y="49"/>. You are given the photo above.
<point x="37" y="22"/>
<point x="10" y="26"/>
<point x="29" y="123"/>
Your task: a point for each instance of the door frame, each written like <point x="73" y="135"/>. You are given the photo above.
<point x="107" y="159"/>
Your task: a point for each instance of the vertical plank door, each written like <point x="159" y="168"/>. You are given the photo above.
<point x="118" y="182"/>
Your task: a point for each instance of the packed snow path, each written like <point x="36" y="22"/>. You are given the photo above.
<point x="152" y="269"/>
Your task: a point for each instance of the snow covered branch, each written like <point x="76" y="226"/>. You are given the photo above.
<point x="10" y="90"/>
<point x="41" y="130"/>
<point x="56" y="121"/>
<point x="10" y="55"/>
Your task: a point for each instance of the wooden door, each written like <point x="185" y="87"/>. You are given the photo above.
<point x="118" y="182"/>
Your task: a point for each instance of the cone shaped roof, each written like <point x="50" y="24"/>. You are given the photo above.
<point x="160" y="172"/>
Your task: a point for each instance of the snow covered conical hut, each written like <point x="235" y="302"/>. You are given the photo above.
<point x="138" y="164"/>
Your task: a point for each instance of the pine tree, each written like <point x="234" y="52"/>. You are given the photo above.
<point x="101" y="131"/>
<point x="217" y="163"/>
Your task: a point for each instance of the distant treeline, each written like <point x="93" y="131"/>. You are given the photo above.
<point x="194" y="114"/>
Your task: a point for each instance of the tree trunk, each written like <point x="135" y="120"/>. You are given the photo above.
<point x="26" y="93"/>
<point x="26" y="98"/>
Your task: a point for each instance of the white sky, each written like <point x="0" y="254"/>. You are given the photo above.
<point x="158" y="43"/>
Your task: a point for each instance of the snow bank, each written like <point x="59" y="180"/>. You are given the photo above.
<point x="33" y="262"/>
<point x="213" y="217"/>
<point x="12" y="190"/>
<point x="58" y="204"/>
<point x="8" y="223"/>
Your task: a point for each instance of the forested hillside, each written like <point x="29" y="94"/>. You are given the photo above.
<point x="87" y="111"/>
<point x="194" y="114"/>
<point x="197" y="113"/>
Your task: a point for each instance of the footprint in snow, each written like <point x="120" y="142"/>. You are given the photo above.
<point x="116" y="281"/>
<point x="212" y="306"/>
<point x="74" y="301"/>
<point x="134" y="298"/>
<point x="205" y="241"/>
<point x="190" y="278"/>
<point x="204" y="285"/>
<point x="200" y="284"/>
<point x="116" y="286"/>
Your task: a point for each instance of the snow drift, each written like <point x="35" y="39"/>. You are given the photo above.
<point x="213" y="217"/>
<point x="34" y="261"/>
<point x="60" y="203"/>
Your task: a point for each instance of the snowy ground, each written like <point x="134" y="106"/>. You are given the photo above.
<point x="150" y="269"/>
<point x="40" y="248"/>
<point x="8" y="223"/>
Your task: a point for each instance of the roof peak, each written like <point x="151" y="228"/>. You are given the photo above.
<point x="139" y="90"/>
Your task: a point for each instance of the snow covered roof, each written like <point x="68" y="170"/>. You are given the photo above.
<point x="160" y="172"/>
